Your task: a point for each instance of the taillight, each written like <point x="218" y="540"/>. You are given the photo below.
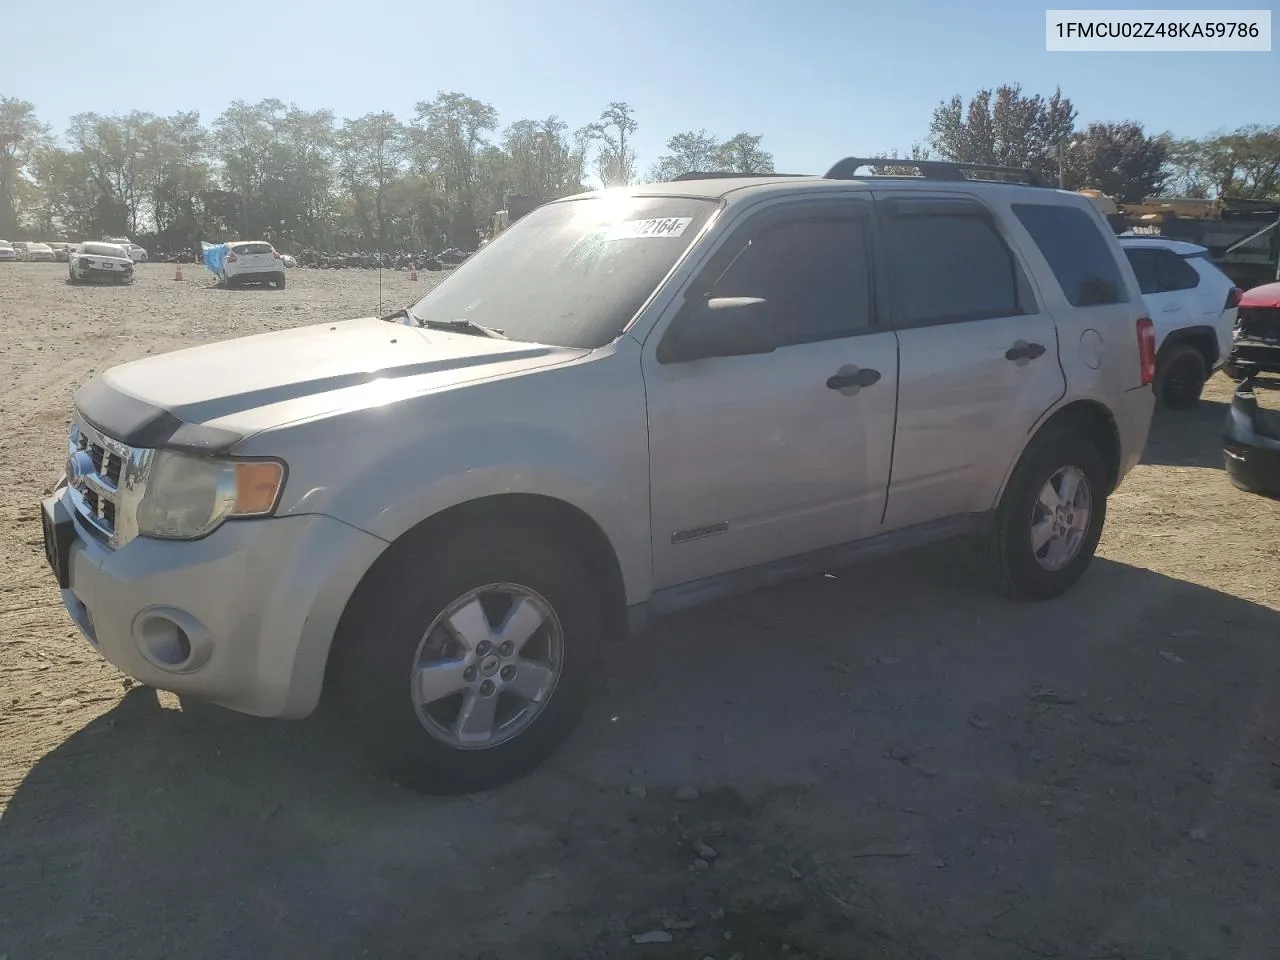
<point x="276" y="254"/>
<point x="231" y="258"/>
<point x="1233" y="297"/>
<point x="1147" y="350"/>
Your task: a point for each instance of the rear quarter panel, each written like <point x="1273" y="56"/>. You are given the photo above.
<point x="1098" y="345"/>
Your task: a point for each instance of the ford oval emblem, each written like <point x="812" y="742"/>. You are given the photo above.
<point x="79" y="466"/>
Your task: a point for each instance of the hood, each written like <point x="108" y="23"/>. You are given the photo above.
<point x="213" y="396"/>
<point x="1267" y="295"/>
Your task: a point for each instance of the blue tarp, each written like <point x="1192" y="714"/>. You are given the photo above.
<point x="214" y="254"/>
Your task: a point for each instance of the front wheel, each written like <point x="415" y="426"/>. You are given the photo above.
<point x="1047" y="526"/>
<point x="470" y="659"/>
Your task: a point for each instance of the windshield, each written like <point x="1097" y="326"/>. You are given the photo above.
<point x="570" y="274"/>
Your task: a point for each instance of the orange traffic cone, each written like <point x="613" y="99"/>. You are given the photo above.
<point x="413" y="273"/>
<point x="177" y="273"/>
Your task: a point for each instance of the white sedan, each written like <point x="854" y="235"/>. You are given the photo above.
<point x="100" y="261"/>
<point x="7" y="252"/>
<point x="136" y="253"/>
<point x="41" y="253"/>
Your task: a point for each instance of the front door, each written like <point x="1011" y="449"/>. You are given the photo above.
<point x="979" y="354"/>
<point x="761" y="457"/>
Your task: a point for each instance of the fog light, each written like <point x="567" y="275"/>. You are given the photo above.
<point x="172" y="640"/>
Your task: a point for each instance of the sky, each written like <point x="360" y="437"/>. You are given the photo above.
<point x="819" y="80"/>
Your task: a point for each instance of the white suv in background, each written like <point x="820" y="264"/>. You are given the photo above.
<point x="252" y="261"/>
<point x="1193" y="306"/>
<point x="629" y="403"/>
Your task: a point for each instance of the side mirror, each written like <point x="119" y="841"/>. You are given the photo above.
<point x="718" y="327"/>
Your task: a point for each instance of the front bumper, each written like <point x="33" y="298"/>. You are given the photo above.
<point x="1251" y="444"/>
<point x="1255" y="356"/>
<point x="243" y="617"/>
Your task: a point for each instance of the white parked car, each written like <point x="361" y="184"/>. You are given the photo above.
<point x="136" y="253"/>
<point x="629" y="403"/>
<point x="1193" y="307"/>
<point x="288" y="261"/>
<point x="99" y="261"/>
<point x="40" y="253"/>
<point x="252" y="261"/>
<point x="7" y="253"/>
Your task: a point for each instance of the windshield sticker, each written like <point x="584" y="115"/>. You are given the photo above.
<point x="659" y="227"/>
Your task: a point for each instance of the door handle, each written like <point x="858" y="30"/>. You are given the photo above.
<point x="850" y="379"/>
<point x="1023" y="353"/>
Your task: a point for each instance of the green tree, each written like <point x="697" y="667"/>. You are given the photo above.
<point x="611" y="135"/>
<point x="1003" y="127"/>
<point x="451" y="134"/>
<point x="372" y="149"/>
<point x="742" y="153"/>
<point x="1117" y="158"/>
<point x="692" y="151"/>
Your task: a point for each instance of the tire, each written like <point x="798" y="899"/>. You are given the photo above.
<point x="1180" y="377"/>
<point x="389" y="628"/>
<point x="279" y="282"/>
<point x="1006" y="549"/>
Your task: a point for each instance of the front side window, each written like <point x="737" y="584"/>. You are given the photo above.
<point x="813" y="275"/>
<point x="572" y="273"/>
<point x="951" y="268"/>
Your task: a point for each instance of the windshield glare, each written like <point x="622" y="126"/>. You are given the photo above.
<point x="570" y="274"/>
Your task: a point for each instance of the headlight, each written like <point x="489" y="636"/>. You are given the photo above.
<point x="187" y="496"/>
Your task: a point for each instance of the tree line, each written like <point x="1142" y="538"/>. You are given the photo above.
<point x="303" y="179"/>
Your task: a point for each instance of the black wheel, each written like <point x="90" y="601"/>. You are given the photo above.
<point x="1180" y="377"/>
<point x="469" y="661"/>
<point x="279" y="281"/>
<point x="1047" y="526"/>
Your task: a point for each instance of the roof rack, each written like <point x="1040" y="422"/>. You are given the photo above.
<point x="723" y="175"/>
<point x="847" y="169"/>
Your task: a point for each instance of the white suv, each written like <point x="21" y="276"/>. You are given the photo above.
<point x="252" y="261"/>
<point x="628" y="403"/>
<point x="1193" y="306"/>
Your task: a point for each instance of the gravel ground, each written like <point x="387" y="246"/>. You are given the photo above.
<point x="886" y="762"/>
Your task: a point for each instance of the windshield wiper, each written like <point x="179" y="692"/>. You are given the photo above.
<point x="462" y="326"/>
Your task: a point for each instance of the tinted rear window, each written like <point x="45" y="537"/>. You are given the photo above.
<point x="102" y="250"/>
<point x="251" y="247"/>
<point x="1077" y="253"/>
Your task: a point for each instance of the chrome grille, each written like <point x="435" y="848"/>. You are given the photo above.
<point x="101" y="473"/>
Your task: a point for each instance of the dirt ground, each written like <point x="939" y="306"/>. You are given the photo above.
<point x="886" y="762"/>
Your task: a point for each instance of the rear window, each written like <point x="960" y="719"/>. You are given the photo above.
<point x="1077" y="253"/>
<point x="102" y="250"/>
<point x="239" y="248"/>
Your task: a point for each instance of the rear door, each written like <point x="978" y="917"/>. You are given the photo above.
<point x="1166" y="304"/>
<point x="978" y="354"/>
